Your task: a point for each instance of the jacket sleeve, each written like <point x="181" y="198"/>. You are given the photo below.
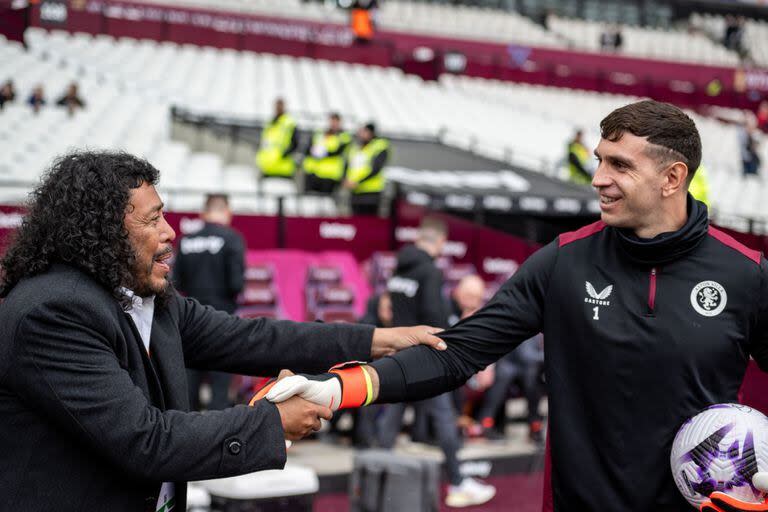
<point x="66" y="369"/>
<point x="759" y="341"/>
<point x="513" y="315"/>
<point x="214" y="340"/>
<point x="235" y="265"/>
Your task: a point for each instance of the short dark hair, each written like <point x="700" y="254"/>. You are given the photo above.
<point x="212" y="199"/>
<point x="371" y="127"/>
<point x="334" y="115"/>
<point x="671" y="132"/>
<point x="435" y="225"/>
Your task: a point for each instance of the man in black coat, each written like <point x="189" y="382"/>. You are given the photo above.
<point x="93" y="348"/>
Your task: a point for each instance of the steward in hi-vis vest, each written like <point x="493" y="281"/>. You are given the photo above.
<point x="578" y="161"/>
<point x="325" y="158"/>
<point x="278" y="142"/>
<point x="364" y="176"/>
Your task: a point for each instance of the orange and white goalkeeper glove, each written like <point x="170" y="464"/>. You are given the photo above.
<point x="345" y="386"/>
<point x="721" y="502"/>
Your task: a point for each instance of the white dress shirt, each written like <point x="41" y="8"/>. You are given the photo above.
<point x="143" y="312"/>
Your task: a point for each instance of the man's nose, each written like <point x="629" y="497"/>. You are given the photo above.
<point x="168" y="234"/>
<point x="600" y="178"/>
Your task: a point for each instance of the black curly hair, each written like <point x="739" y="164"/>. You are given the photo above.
<point x="76" y="216"/>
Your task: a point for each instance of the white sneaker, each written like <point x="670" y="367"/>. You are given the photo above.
<point x="469" y="492"/>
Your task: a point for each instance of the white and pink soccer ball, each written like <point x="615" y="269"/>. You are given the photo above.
<point x="721" y="449"/>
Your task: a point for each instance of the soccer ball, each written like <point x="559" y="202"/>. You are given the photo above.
<point x="720" y="449"/>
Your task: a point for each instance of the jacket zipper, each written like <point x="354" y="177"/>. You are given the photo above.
<point x="652" y="292"/>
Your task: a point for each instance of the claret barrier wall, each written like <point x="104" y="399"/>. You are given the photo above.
<point x="351" y="240"/>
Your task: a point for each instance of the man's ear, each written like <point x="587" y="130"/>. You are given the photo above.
<point x="677" y="179"/>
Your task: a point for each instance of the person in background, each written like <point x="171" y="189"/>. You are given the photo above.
<point x="362" y="20"/>
<point x="699" y="187"/>
<point x="364" y="175"/>
<point x="210" y="266"/>
<point x="71" y="99"/>
<point x="578" y="160"/>
<point x="7" y="93"/>
<point x="324" y="161"/>
<point x="526" y="363"/>
<point x="36" y="100"/>
<point x="611" y="39"/>
<point x="750" y="158"/>
<point x="762" y="116"/>
<point x="416" y="293"/>
<point x="734" y="33"/>
<point x="278" y="142"/>
<point x="378" y="312"/>
<point x="467" y="297"/>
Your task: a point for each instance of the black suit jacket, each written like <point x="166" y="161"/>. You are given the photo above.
<point x="90" y="421"/>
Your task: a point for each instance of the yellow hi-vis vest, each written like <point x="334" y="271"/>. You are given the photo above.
<point x="321" y="165"/>
<point x="360" y="166"/>
<point x="582" y="155"/>
<point x="699" y="187"/>
<point x="275" y="139"/>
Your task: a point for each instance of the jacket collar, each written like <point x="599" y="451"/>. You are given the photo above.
<point x="667" y="247"/>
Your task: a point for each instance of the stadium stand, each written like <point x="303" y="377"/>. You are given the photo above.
<point x="489" y="24"/>
<point x="670" y="45"/>
<point x="526" y="125"/>
<point x="467" y="22"/>
<point x="755" y="39"/>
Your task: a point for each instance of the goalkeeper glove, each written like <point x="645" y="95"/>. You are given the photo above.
<point x="345" y="386"/>
<point x="721" y="502"/>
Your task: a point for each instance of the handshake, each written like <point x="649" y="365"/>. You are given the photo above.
<point x="303" y="399"/>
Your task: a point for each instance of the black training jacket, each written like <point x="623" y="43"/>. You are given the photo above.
<point x="416" y="289"/>
<point x="210" y="266"/>
<point x="639" y="336"/>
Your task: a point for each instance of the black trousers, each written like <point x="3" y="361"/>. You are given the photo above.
<point x="440" y="411"/>
<point x="365" y="204"/>
<point x="320" y="185"/>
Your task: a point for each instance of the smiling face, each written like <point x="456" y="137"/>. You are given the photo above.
<point x="635" y="185"/>
<point x="151" y="238"/>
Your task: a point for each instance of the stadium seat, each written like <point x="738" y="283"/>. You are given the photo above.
<point x="259" y="274"/>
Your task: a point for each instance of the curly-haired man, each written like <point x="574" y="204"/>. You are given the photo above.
<point x="94" y="343"/>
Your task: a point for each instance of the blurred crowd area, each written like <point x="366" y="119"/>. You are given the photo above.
<point x="479" y="407"/>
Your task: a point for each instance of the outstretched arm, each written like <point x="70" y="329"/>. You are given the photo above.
<point x="514" y="315"/>
<point x="214" y="340"/>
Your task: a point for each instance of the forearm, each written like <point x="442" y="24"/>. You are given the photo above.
<point x="416" y="374"/>
<point x="175" y="445"/>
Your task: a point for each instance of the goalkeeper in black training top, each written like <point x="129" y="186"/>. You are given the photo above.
<point x="649" y="316"/>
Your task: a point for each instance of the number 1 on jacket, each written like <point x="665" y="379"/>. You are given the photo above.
<point x="596" y="309"/>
